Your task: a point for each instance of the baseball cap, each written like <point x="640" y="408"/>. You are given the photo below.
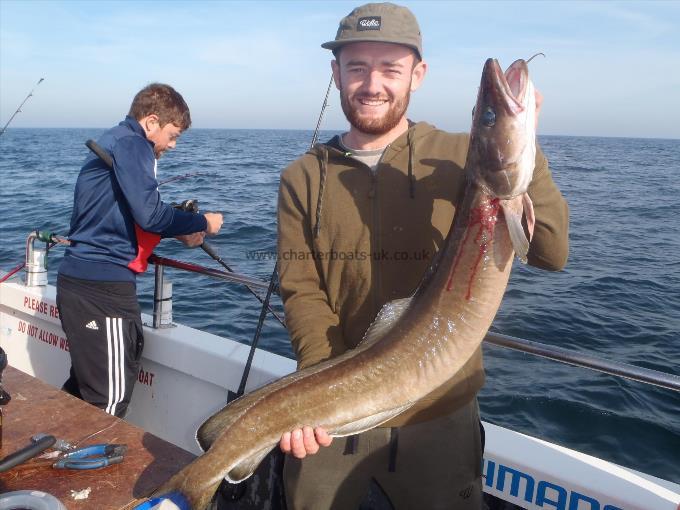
<point x="380" y="22"/>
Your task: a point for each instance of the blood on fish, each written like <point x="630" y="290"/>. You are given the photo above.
<point x="486" y="215"/>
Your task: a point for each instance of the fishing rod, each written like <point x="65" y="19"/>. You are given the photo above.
<point x="234" y="492"/>
<point x="22" y="104"/>
<point x="272" y="279"/>
<point x="256" y="338"/>
<point x="192" y="206"/>
<point x="315" y="136"/>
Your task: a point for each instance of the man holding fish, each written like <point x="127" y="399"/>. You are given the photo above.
<point x="361" y="218"/>
<point x="386" y="311"/>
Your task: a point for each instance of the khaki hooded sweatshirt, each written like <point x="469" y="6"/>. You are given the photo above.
<point x="351" y="240"/>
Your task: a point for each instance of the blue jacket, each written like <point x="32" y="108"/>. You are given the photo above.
<point x="108" y="203"/>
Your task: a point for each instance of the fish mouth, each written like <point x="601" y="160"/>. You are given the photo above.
<point x="503" y="129"/>
<point x="509" y="87"/>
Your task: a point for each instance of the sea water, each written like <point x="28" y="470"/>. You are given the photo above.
<point x="618" y="298"/>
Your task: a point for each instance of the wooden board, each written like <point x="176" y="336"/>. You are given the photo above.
<point x="37" y="408"/>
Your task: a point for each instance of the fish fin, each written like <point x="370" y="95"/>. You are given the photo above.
<point x="369" y="422"/>
<point x="512" y="210"/>
<point x="220" y="421"/>
<point x="388" y="315"/>
<point x="529" y="214"/>
<point x="247" y="466"/>
<point x="223" y="419"/>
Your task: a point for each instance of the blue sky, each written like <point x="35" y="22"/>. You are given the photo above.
<point x="612" y="68"/>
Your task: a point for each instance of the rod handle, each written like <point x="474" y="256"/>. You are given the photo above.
<point x="28" y="452"/>
<point x="100" y="153"/>
<point x="210" y="250"/>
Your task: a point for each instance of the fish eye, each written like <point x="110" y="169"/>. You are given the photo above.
<point x="489" y="117"/>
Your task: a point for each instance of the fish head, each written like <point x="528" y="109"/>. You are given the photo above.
<point x="502" y="150"/>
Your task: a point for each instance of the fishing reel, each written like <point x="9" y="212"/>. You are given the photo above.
<point x="190" y="205"/>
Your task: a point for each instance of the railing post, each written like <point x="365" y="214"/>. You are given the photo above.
<point x="162" y="300"/>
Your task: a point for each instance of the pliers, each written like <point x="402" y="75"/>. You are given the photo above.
<point x="92" y="457"/>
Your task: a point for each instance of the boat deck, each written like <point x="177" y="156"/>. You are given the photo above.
<point x="37" y="407"/>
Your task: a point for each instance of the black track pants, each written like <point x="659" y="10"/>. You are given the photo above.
<point x="102" y="321"/>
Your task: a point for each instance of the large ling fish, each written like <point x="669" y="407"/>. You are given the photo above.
<point x="415" y="344"/>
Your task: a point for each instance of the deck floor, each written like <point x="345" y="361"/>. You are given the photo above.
<point x="37" y="408"/>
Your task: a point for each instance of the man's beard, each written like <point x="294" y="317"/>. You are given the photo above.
<point x="375" y="126"/>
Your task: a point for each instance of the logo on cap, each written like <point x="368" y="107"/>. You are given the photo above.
<point x="368" y="23"/>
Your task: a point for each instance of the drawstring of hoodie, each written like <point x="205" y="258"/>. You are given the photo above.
<point x="411" y="177"/>
<point x="323" y="174"/>
<point x="322" y="186"/>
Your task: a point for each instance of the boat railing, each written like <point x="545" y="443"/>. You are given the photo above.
<point x="584" y="360"/>
<point x="227" y="276"/>
<point x="559" y="354"/>
<point x="162" y="317"/>
<point x="162" y="295"/>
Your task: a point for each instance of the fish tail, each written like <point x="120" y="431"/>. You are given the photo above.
<point x="183" y="501"/>
<point x="187" y="493"/>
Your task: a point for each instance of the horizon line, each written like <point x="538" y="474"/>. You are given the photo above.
<point x="343" y="129"/>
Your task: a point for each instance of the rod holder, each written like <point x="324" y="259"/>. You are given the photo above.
<point x="36" y="261"/>
<point x="162" y="300"/>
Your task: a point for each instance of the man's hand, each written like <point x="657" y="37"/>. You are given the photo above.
<point x="214" y="223"/>
<point x="539" y="103"/>
<point x="192" y="240"/>
<point x="304" y="441"/>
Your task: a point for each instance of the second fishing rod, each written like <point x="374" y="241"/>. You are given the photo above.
<point x="189" y="206"/>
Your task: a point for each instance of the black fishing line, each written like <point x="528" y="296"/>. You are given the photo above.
<point x="536" y="55"/>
